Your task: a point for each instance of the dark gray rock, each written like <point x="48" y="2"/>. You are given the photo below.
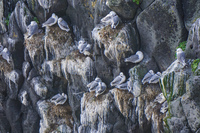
<point x="146" y="3"/>
<point x="191" y="11"/>
<point x="14" y="82"/>
<point x="23" y="16"/>
<point x="192" y="47"/>
<point x="161" y="29"/>
<point x="86" y="16"/>
<point x="124" y="9"/>
<point x="30" y="121"/>
<point x="13" y="114"/>
<point x="3" y="28"/>
<point x="191" y="109"/>
<point x="26" y="55"/>
<point x="15" y="42"/>
<point x="33" y="73"/>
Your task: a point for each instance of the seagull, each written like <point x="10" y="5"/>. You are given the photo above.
<point x="135" y="58"/>
<point x="33" y="29"/>
<point x="122" y="86"/>
<point x="84" y="47"/>
<point x="181" y="56"/>
<point x="6" y="55"/>
<point x="59" y="99"/>
<point x="51" y="21"/>
<point x="63" y="24"/>
<point x="155" y="78"/>
<point x="100" y="88"/>
<point x="118" y="80"/>
<point x="111" y="19"/>
<point x="92" y="86"/>
<point x="148" y="76"/>
<point x="115" y="21"/>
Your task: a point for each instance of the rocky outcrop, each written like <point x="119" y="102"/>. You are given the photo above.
<point x="43" y="84"/>
<point x="161" y="29"/>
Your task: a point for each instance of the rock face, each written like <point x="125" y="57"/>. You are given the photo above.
<point x="43" y="84"/>
<point x="190" y="16"/>
<point x="159" y="38"/>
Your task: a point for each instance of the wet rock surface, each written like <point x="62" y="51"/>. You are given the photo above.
<point x="44" y="77"/>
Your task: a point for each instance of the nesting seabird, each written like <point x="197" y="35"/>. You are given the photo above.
<point x="181" y="56"/>
<point x="63" y="24"/>
<point x="51" y="21"/>
<point x="148" y="76"/>
<point x="100" y="88"/>
<point x="83" y="46"/>
<point x="111" y="19"/>
<point x="122" y="86"/>
<point x="155" y="78"/>
<point x="33" y="29"/>
<point x="118" y="80"/>
<point x="92" y="85"/>
<point x="107" y="19"/>
<point x="135" y="58"/>
<point x="115" y="21"/>
<point x="59" y="99"/>
<point x="5" y="53"/>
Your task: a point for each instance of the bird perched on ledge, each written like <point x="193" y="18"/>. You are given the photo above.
<point x="135" y="58"/>
<point x="181" y="56"/>
<point x="51" y="21"/>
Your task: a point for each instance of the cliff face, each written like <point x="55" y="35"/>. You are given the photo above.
<point x="44" y="76"/>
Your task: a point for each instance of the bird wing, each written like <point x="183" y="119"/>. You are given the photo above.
<point x="116" y="81"/>
<point x="64" y="24"/>
<point x="182" y="57"/>
<point x="154" y="79"/>
<point x="33" y="30"/>
<point x="146" y="78"/>
<point x="132" y="58"/>
<point x="107" y="18"/>
<point x="49" y="22"/>
<point x="122" y="86"/>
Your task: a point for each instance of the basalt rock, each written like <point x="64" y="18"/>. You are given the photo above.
<point x="161" y="29"/>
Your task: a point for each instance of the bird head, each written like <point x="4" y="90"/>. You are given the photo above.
<point x="121" y="74"/>
<point x="60" y="19"/>
<point x="97" y="79"/>
<point x="179" y="50"/>
<point x="151" y="71"/>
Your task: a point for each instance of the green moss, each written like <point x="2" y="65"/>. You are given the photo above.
<point x="7" y="19"/>
<point x="36" y="20"/>
<point x="194" y="65"/>
<point x="137" y="1"/>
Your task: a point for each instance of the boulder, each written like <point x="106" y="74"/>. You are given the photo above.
<point x="124" y="9"/>
<point x="161" y="29"/>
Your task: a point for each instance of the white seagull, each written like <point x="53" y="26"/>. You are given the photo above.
<point x="135" y="58"/>
<point x="59" y="99"/>
<point x="122" y="86"/>
<point x="63" y="24"/>
<point x="118" y="80"/>
<point x="148" y="76"/>
<point x="181" y="56"/>
<point x="111" y="19"/>
<point x="155" y="78"/>
<point x="32" y="29"/>
<point x="51" y="21"/>
<point x="93" y="85"/>
<point x="100" y="88"/>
